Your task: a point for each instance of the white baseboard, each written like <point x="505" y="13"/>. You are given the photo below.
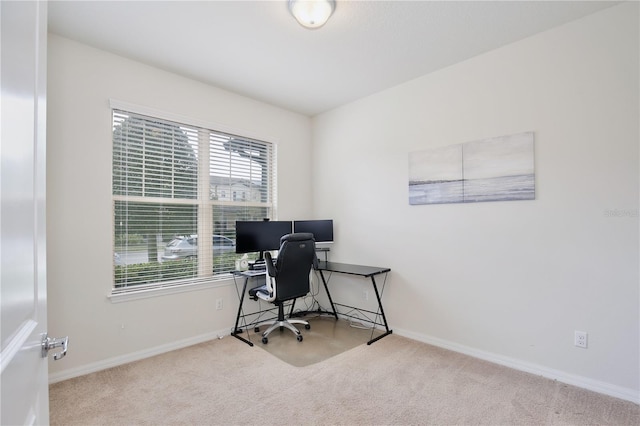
<point x="561" y="376"/>
<point x="134" y="356"/>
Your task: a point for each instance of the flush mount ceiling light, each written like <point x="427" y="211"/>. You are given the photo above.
<point x="312" y="13"/>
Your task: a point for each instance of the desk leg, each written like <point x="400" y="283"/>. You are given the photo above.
<point x="384" y="318"/>
<point x="236" y="330"/>
<point x="326" y="288"/>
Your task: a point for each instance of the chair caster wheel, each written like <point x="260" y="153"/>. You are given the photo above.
<point x="265" y="340"/>
<point x="299" y="337"/>
<point x="307" y="326"/>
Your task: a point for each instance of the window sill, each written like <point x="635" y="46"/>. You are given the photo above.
<point x="146" y="293"/>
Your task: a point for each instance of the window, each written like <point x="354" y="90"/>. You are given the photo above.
<point x="169" y="186"/>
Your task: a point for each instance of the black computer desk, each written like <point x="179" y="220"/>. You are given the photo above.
<point x="241" y="315"/>
<point x="365" y="272"/>
<point x="323" y="266"/>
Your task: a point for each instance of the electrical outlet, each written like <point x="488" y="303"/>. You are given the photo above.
<point x="580" y="339"/>
<point x="219" y="304"/>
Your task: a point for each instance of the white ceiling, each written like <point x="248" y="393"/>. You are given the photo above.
<point x="255" y="48"/>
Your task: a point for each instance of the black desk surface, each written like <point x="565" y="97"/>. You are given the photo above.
<point x="346" y="268"/>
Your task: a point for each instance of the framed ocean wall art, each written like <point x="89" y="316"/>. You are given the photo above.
<point x="494" y="169"/>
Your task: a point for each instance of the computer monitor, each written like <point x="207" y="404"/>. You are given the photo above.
<point x="260" y="236"/>
<point x="322" y="230"/>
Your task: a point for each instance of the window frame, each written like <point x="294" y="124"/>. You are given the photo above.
<point x="206" y="203"/>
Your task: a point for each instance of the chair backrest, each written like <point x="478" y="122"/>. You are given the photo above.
<point x="296" y="256"/>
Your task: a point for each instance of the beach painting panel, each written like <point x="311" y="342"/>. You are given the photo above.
<point x="435" y="176"/>
<point x="494" y="169"/>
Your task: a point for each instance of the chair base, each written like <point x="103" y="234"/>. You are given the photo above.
<point x="287" y="323"/>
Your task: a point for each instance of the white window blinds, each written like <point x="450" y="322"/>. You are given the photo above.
<point x="178" y="190"/>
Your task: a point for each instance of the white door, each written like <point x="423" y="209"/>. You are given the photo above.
<point x="23" y="299"/>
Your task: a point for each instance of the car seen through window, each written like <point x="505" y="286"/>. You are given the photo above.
<point x="187" y="247"/>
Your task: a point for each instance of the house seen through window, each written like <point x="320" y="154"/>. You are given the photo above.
<point x="174" y="221"/>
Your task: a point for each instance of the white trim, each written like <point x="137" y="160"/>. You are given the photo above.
<point x="31" y="417"/>
<point x="183" y="119"/>
<point x="134" y="356"/>
<point x="159" y="290"/>
<point x="16" y="342"/>
<point x="583" y="382"/>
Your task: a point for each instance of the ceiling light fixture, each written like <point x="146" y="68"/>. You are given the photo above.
<point x="312" y="13"/>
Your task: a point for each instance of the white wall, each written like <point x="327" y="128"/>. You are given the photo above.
<point x="81" y="81"/>
<point x="508" y="281"/>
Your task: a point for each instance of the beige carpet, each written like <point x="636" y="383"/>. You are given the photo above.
<point x="395" y="381"/>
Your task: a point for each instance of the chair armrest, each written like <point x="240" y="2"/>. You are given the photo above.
<point x="271" y="269"/>
<point x="267" y="292"/>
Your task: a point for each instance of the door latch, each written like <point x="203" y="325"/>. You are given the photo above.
<point x="49" y="343"/>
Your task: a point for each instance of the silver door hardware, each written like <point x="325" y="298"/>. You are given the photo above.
<point x="49" y="343"/>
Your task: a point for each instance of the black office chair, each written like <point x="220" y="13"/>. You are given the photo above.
<point x="288" y="279"/>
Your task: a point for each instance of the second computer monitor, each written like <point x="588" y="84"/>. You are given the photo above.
<point x="322" y="230"/>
